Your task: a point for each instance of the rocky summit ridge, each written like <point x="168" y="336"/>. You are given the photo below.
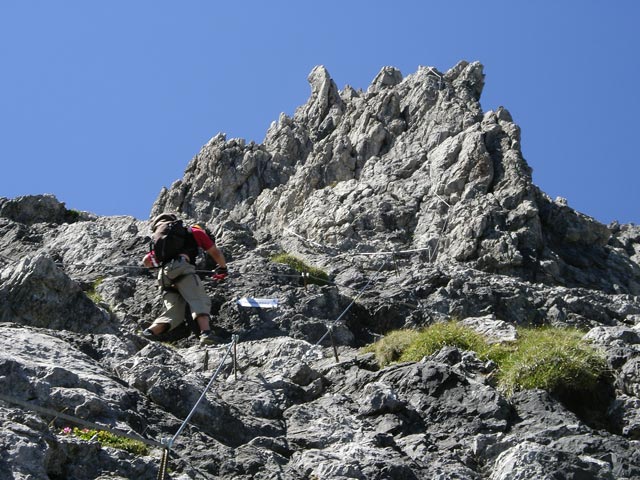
<point x="420" y="208"/>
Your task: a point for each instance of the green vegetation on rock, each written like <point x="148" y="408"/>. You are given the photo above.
<point x="93" y="294"/>
<point x="439" y="335"/>
<point x="554" y="359"/>
<point x="316" y="275"/>
<point x="390" y="348"/>
<point x="108" y="439"/>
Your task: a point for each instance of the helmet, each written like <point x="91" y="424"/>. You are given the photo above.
<point x="163" y="218"/>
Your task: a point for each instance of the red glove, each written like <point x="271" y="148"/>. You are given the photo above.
<point x="220" y="274"/>
<point x="151" y="258"/>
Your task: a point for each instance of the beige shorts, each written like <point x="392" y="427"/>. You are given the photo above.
<point x="185" y="287"/>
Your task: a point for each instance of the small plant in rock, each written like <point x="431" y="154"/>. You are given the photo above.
<point x="72" y="216"/>
<point x="93" y="294"/>
<point x="316" y="275"/>
<point x="108" y="439"/>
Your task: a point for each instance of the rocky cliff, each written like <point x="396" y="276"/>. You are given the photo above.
<point x="420" y="207"/>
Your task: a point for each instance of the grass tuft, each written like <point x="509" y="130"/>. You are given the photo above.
<point x="554" y="359"/>
<point x="432" y="339"/>
<point x="93" y="294"/>
<point x="108" y="439"/>
<point x="390" y="348"/>
<point x="316" y="275"/>
<point x="72" y="216"/>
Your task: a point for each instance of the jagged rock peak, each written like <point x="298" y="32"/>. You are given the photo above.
<point x="469" y="75"/>
<point x="412" y="163"/>
<point x="322" y="86"/>
<point x="387" y="77"/>
<point x="324" y="99"/>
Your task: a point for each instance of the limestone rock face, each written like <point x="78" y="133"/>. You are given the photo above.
<point x="412" y="163"/>
<point x="32" y="209"/>
<point x="38" y="294"/>
<point x="419" y="208"/>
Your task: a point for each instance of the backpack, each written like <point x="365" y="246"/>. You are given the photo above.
<point x="171" y="238"/>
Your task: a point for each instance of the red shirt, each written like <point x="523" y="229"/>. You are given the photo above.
<point x="202" y="239"/>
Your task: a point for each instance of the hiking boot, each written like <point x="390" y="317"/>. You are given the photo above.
<point x="208" y="338"/>
<point x="146" y="333"/>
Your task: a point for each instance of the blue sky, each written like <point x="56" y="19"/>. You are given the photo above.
<point x="104" y="102"/>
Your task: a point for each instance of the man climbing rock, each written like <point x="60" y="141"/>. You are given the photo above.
<point x="175" y="249"/>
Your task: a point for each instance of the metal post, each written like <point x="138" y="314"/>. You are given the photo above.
<point x="162" y="472"/>
<point x="235" y="356"/>
<point x="395" y="264"/>
<point x="333" y="344"/>
<point x="205" y="361"/>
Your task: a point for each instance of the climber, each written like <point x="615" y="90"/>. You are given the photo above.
<point x="174" y="251"/>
